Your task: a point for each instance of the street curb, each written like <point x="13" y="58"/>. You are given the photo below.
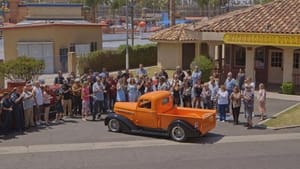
<point x="277" y="114"/>
<point x="286" y="127"/>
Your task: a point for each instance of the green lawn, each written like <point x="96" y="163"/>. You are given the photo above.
<point x="289" y="118"/>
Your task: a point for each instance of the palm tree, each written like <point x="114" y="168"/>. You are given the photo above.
<point x="207" y="4"/>
<point x="115" y="5"/>
<point x="93" y="4"/>
<point x="172" y="8"/>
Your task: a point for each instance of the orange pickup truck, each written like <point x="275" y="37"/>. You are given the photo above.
<point x="155" y="114"/>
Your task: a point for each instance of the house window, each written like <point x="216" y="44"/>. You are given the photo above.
<point x="240" y="56"/>
<point x="276" y="59"/>
<point x="296" y="60"/>
<point x="93" y="46"/>
<point x="63" y="57"/>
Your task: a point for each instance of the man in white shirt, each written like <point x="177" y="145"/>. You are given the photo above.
<point x="38" y="102"/>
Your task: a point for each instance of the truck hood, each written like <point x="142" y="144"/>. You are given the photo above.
<point x="129" y="107"/>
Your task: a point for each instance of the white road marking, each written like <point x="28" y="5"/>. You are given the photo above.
<point x="140" y="143"/>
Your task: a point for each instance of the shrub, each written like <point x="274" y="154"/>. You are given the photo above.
<point x="22" y="68"/>
<point x="205" y="65"/>
<point x="287" y="88"/>
<point x="115" y="59"/>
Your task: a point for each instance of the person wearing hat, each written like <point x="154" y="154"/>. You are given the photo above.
<point x="67" y="102"/>
<point x="17" y="100"/>
<point x="7" y="108"/>
<point x="28" y="106"/>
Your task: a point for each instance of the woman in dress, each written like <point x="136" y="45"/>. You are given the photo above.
<point x="121" y="97"/>
<point x="235" y="100"/>
<point x="132" y="91"/>
<point x="85" y="97"/>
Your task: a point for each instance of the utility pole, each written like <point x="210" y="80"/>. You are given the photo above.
<point x="132" y="22"/>
<point x="127" y="50"/>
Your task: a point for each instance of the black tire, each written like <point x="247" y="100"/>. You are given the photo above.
<point x="114" y="125"/>
<point x="178" y="133"/>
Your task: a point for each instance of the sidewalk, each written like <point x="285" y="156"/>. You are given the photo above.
<point x="274" y="95"/>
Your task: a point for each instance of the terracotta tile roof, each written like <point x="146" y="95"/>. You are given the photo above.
<point x="279" y="16"/>
<point x="180" y="32"/>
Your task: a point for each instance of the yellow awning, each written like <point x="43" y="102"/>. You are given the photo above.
<point x="262" y="39"/>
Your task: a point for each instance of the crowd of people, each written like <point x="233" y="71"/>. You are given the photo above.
<point x="95" y="93"/>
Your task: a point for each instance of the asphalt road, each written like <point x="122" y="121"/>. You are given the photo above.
<point x="88" y="145"/>
<point x="249" y="154"/>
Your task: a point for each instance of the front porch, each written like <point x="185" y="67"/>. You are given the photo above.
<point x="264" y="64"/>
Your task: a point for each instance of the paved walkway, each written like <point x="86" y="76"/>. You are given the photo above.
<point x="274" y="95"/>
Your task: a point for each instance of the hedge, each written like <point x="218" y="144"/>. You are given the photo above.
<point x="114" y="60"/>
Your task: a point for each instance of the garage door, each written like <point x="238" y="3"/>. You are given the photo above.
<point x="38" y="50"/>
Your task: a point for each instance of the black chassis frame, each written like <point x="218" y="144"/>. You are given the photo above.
<point x="128" y="127"/>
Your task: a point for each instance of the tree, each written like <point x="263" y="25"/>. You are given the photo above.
<point x="22" y="68"/>
<point x="205" y="65"/>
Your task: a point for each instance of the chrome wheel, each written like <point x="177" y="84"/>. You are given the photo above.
<point x="178" y="133"/>
<point x="114" y="125"/>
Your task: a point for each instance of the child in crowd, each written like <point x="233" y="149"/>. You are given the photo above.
<point x="59" y="106"/>
<point x="261" y="101"/>
<point x="85" y="96"/>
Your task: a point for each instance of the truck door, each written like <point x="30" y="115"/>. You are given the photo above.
<point x="145" y="116"/>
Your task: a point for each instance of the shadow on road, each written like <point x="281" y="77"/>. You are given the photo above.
<point x="209" y="138"/>
<point x="13" y="134"/>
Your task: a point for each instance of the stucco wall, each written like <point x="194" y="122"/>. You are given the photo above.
<point x="212" y="36"/>
<point x="42" y="11"/>
<point x="169" y="55"/>
<point x="61" y="35"/>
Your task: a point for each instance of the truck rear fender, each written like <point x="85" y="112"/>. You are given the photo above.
<point x="126" y="125"/>
<point x="189" y="129"/>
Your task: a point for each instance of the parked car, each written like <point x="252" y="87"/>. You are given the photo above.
<point x="154" y="113"/>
